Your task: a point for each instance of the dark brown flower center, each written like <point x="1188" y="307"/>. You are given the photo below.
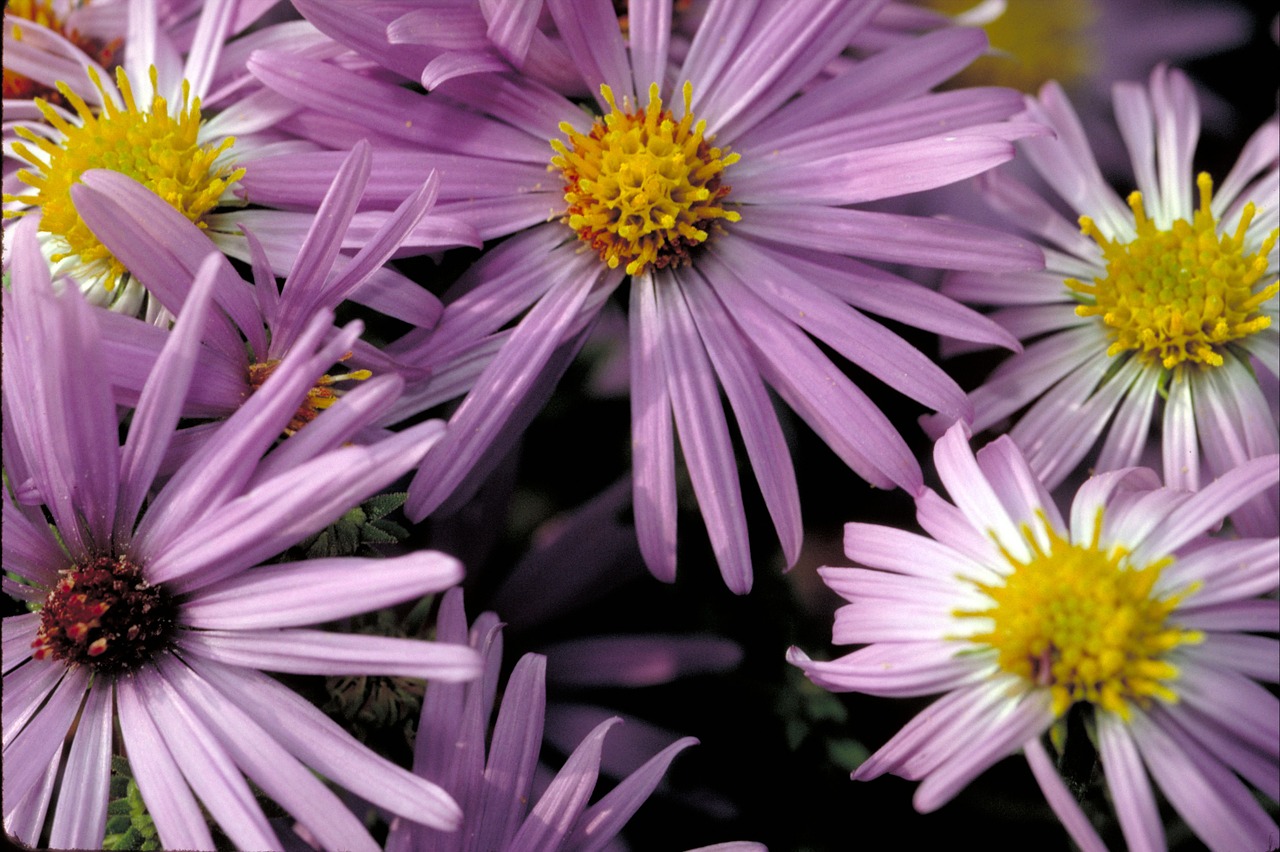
<point x="105" y="615"/>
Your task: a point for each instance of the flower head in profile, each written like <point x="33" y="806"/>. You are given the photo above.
<point x="153" y="621"/>
<point x="1130" y="611"/>
<point x="1165" y="300"/>
<point x="724" y="187"/>
<point x="492" y="775"/>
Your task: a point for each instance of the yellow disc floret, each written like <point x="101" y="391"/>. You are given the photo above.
<point x="1180" y="293"/>
<point x="1083" y="622"/>
<point x="643" y="188"/>
<point x="158" y="149"/>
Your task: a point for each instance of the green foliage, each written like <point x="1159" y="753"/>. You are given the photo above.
<point x="360" y="531"/>
<point x="129" y="826"/>
<point x="810" y="713"/>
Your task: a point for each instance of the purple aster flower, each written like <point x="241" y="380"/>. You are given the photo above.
<point x="492" y="776"/>
<point x="152" y="626"/>
<point x="147" y="116"/>
<point x="727" y="199"/>
<point x="1130" y="610"/>
<point x="1166" y="301"/>
<point x="259" y="323"/>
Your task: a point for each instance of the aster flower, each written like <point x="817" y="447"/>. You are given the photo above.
<point x="146" y="116"/>
<point x="258" y="325"/>
<point x="742" y="244"/>
<point x="153" y="626"/>
<point x="493" y="781"/>
<point x="1166" y="301"/>
<point x="1130" y="610"/>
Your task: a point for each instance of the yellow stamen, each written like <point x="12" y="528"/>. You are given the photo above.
<point x="643" y="188"/>
<point x="321" y="396"/>
<point x="1084" y="623"/>
<point x="158" y="149"/>
<point x="1181" y="293"/>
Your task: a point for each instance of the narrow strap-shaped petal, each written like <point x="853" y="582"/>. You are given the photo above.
<point x="954" y="711"/>
<point x="973" y="494"/>
<point x="562" y="803"/>
<point x="163" y="250"/>
<point x="276" y="772"/>
<point x="873" y="173"/>
<point x="1224" y="571"/>
<point x="866" y="343"/>
<point x="309" y="735"/>
<point x="912" y="554"/>
<point x="1060" y="799"/>
<point x="300" y="651"/>
<point x="601" y="822"/>
<point x="1213" y="801"/>
<point x="590" y="32"/>
<point x="1020" y="492"/>
<point x="511" y="27"/>
<point x="513" y="753"/>
<point x="25" y="818"/>
<point x="81" y="818"/>
<point x="225" y="461"/>
<point x="704" y="434"/>
<point x="1208" y="506"/>
<point x="161" y="402"/>
<point x="1060" y="428"/>
<point x="27" y="754"/>
<point x="1177" y="125"/>
<point x="26" y="689"/>
<point x="1130" y="790"/>
<point x="894" y="74"/>
<point x="652" y="436"/>
<point x="205" y="764"/>
<point x="1127" y="435"/>
<point x="752" y="409"/>
<point x="500" y="390"/>
<point x="900" y="670"/>
<point x="178" y="818"/>
<point x="283" y="510"/>
<point x="302" y="291"/>
<point x="648" y="38"/>
<point x="1028" y="718"/>
<point x="17" y="631"/>
<point x="342" y="421"/>
<point x="315" y="591"/>
<point x="891" y="237"/>
<point x="842" y="415"/>
<point x="206" y="46"/>
<point x="783" y="51"/>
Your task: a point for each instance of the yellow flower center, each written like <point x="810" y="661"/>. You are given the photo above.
<point x="1031" y="43"/>
<point x="1181" y="293"/>
<point x="18" y="87"/>
<point x="320" y="397"/>
<point x="158" y="149"/>
<point x="1083" y="622"/>
<point x="643" y="188"/>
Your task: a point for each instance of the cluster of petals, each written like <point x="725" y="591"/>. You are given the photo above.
<point x="200" y="716"/>
<point x="742" y="317"/>
<point x="904" y="609"/>
<point x="495" y="775"/>
<point x="1214" y="417"/>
